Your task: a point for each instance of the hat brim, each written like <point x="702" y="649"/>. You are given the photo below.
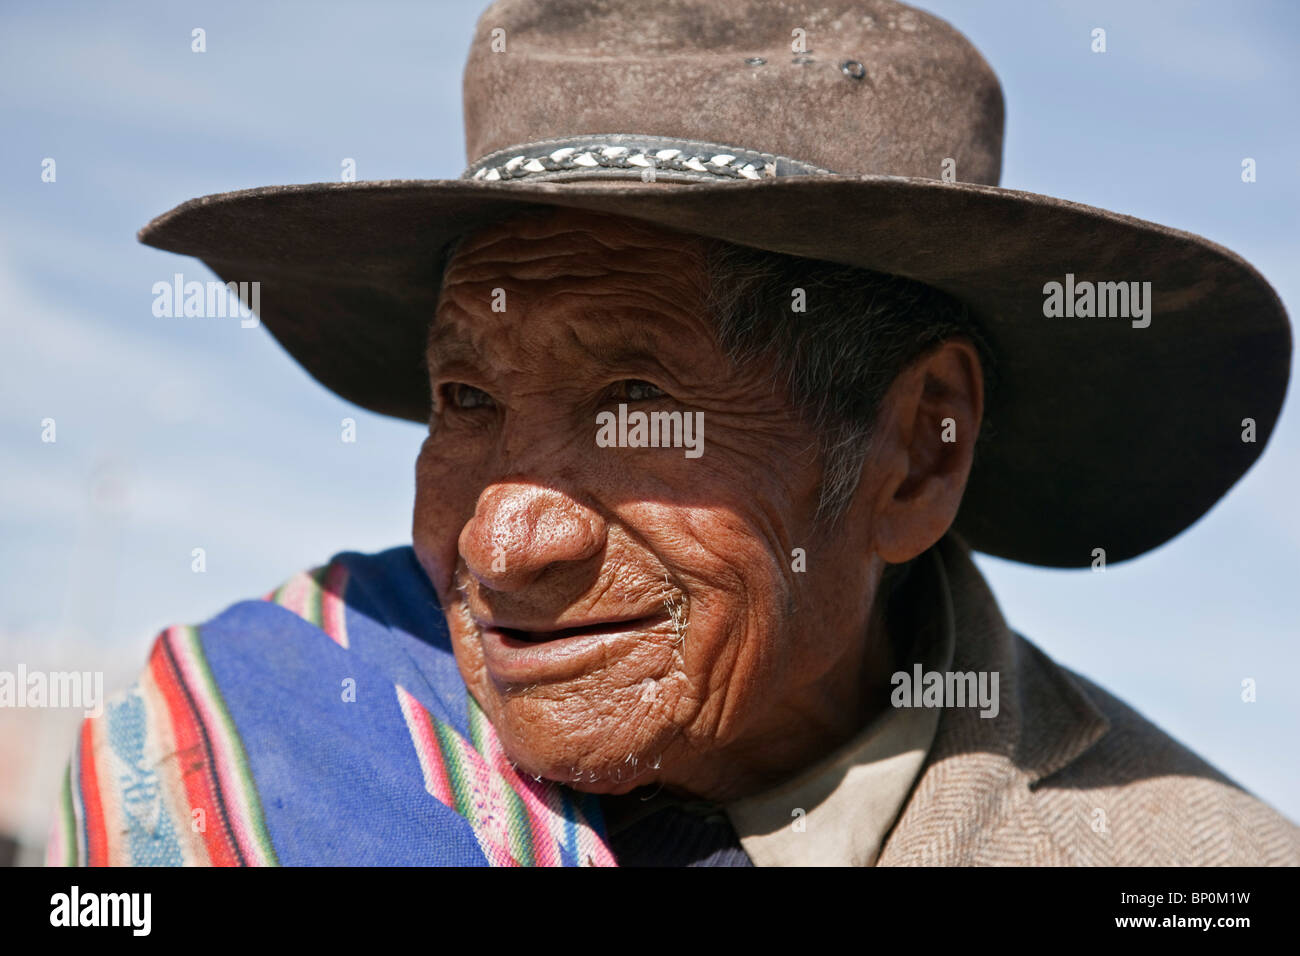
<point x="1103" y="435"/>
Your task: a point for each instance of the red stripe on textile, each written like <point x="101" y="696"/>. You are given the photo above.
<point x="92" y="806"/>
<point x="194" y="755"/>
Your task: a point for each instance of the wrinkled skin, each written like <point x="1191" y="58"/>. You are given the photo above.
<point x="523" y="523"/>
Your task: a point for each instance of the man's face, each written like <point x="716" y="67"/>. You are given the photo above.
<point x="626" y="615"/>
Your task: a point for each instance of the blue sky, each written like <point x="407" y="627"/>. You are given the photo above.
<point x="177" y="434"/>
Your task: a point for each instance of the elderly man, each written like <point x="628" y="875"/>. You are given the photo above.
<point x="690" y="580"/>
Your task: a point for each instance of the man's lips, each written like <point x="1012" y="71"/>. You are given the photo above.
<point x="515" y="655"/>
<point x="540" y="635"/>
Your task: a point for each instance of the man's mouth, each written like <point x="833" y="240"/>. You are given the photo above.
<point x="591" y="629"/>
<point x="532" y="655"/>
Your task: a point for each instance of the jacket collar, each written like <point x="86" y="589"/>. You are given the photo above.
<point x="977" y="780"/>
<point x="1045" y="719"/>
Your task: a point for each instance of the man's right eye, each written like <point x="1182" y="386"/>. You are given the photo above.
<point x="465" y="397"/>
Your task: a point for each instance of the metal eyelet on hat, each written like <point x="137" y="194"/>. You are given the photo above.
<point x="755" y="60"/>
<point x="853" y="69"/>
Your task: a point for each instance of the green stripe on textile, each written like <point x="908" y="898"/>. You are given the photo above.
<point x="251" y="803"/>
<point x="518" y="822"/>
<point x="68" y="819"/>
<point x="458" y="775"/>
<point x="316" y="601"/>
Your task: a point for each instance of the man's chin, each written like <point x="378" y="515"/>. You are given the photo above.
<point x="583" y="758"/>
<point x="588" y="772"/>
<point x="611" y="788"/>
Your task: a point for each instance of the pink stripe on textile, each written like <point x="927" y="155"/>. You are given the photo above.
<point x="436" y="781"/>
<point x="56" y="848"/>
<point x="542" y="802"/>
<point x="491" y="805"/>
<point x="332" y="607"/>
<point x="296" y="592"/>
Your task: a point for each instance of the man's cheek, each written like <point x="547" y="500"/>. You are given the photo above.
<point x="442" y="509"/>
<point x="441" y="469"/>
<point x="434" y="540"/>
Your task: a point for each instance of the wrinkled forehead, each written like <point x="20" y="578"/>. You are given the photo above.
<point x="530" y="242"/>
<point x="612" y="275"/>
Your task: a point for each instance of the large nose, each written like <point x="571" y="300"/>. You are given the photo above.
<point x="520" y="530"/>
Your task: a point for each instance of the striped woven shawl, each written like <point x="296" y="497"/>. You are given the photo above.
<point x="326" y="724"/>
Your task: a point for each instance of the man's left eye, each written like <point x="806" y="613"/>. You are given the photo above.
<point x="465" y="397"/>
<point x="635" y="390"/>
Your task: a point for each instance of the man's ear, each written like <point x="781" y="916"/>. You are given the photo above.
<point x="923" y="449"/>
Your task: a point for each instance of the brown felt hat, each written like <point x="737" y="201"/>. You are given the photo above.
<point x="861" y="132"/>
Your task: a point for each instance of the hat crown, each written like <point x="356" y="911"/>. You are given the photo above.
<point x="855" y="88"/>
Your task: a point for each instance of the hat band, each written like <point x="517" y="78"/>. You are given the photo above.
<point x="633" y="156"/>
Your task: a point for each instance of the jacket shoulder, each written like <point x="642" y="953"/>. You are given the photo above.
<point x="1065" y="773"/>
<point x="1138" y="797"/>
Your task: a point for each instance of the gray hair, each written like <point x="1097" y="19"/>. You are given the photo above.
<point x="837" y="357"/>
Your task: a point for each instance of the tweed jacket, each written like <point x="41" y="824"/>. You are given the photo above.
<point x="1066" y="774"/>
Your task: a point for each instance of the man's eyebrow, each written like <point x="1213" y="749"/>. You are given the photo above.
<point x="613" y="352"/>
<point x="630" y="347"/>
<point x="447" y="344"/>
<point x="439" y="334"/>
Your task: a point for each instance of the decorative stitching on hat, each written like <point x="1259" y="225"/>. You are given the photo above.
<point x="554" y="158"/>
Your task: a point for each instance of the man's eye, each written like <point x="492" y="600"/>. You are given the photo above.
<point x="465" y="397"/>
<point x="635" y="390"/>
